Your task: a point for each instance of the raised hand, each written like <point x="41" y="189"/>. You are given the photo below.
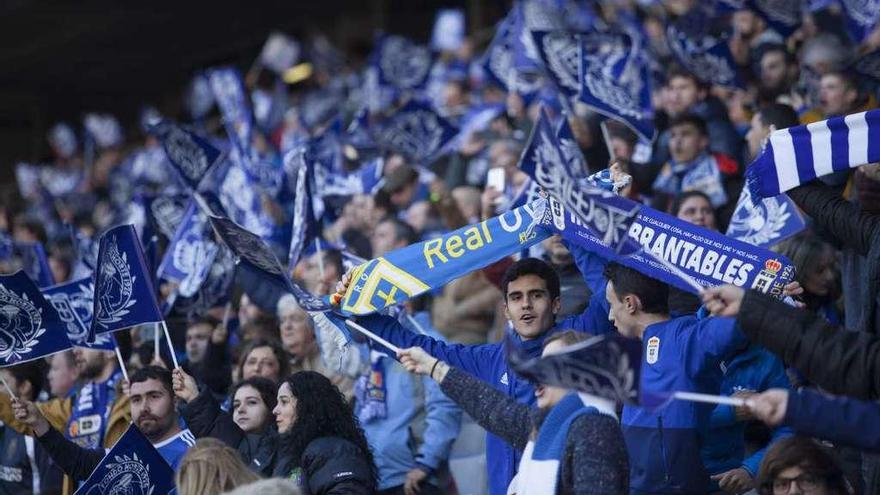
<point x="28" y="413"/>
<point x="417" y="361"/>
<point x="724" y="300"/>
<point x="184" y="386"/>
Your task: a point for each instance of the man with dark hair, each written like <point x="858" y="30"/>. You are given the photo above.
<point x="777" y="70"/>
<point x="693" y="167"/>
<point x="391" y="233"/>
<point x="24" y="466"/>
<point x="153" y="411"/>
<point x="769" y="118"/>
<point x="532" y="303"/>
<point x="840" y="94"/>
<point x="682" y="355"/>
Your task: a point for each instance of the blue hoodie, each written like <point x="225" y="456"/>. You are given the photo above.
<point x="754" y="370"/>
<point x="393" y="438"/>
<point x="681" y="354"/>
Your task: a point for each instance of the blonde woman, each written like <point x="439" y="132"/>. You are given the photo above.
<point x="211" y="467"/>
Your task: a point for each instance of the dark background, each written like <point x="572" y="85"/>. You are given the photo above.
<point x="62" y="58"/>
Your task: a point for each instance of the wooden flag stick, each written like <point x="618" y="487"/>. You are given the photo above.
<point x="8" y="390"/>
<point x="170" y="345"/>
<point x="373" y="336"/>
<point x="121" y="362"/>
<point x="156" y="339"/>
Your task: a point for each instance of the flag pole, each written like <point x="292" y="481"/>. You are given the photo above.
<point x="156" y="340"/>
<point x="121" y="362"/>
<point x="320" y="257"/>
<point x="711" y="399"/>
<point x="170" y="345"/>
<point x="606" y="135"/>
<point x="8" y="390"/>
<point x="372" y="336"/>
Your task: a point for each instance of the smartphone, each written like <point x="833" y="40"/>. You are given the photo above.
<point x="496" y="178"/>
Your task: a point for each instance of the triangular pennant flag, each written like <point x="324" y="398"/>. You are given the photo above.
<point x="30" y="327"/>
<point x="191" y="155"/>
<point x="133" y="465"/>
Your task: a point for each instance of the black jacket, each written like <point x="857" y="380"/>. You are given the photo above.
<point x="843" y="363"/>
<point x="852" y="229"/>
<point x="329" y="466"/>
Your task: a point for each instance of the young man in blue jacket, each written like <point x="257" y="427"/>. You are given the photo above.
<point x="531" y="296"/>
<point x="680" y="354"/>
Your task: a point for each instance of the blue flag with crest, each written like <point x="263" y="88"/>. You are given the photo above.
<point x="765" y="222"/>
<point x="615" y="80"/>
<point x="74" y="302"/>
<point x="305" y="225"/>
<point x="190" y="254"/>
<point x="251" y="252"/>
<point x="401" y="63"/>
<point x="416" y="131"/>
<point x="704" y="54"/>
<point x="559" y="52"/>
<point x="30" y="328"/>
<point x="133" y="465"/>
<point x="498" y="60"/>
<point x="191" y="155"/>
<point x="124" y="293"/>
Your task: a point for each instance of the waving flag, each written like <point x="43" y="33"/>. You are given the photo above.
<point x="571" y="150"/>
<point x="167" y="212"/>
<point x="30" y="328"/>
<point x="765" y="222"/>
<point x="416" y="131"/>
<point x="862" y="17"/>
<point x="191" y="155"/>
<point x="401" y="63"/>
<point x="230" y="94"/>
<point x="607" y="366"/>
<point x="190" y="254"/>
<point x="305" y="224"/>
<point x="133" y="465"/>
<point x="530" y="16"/>
<point x="559" y="52"/>
<point x="124" y="293"/>
<point x="615" y="80"/>
<point x="34" y="262"/>
<point x="704" y="54"/>
<point x="498" y="63"/>
<point x="252" y="253"/>
<point x="606" y="214"/>
<point x="214" y="291"/>
<point x="797" y="155"/>
<point x="407" y="272"/>
<point x="74" y="302"/>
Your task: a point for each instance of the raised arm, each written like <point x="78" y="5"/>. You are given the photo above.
<point x="851" y="226"/>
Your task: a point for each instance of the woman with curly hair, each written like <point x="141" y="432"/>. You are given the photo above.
<point x="318" y="442"/>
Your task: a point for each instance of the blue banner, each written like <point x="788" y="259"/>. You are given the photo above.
<point x="703" y="54"/>
<point x="766" y="222"/>
<point x="190" y="155"/>
<point x="407" y="272"/>
<point x="124" y="293"/>
<point x="416" y="131"/>
<point x="615" y="80"/>
<point x="74" y="302"/>
<point x="30" y="328"/>
<point x="133" y="465"/>
<point x="559" y="52"/>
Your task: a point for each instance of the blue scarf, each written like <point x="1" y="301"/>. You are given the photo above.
<point x="700" y="174"/>
<point x="539" y="468"/>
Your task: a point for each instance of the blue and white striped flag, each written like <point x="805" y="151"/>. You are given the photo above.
<point x="797" y="155"/>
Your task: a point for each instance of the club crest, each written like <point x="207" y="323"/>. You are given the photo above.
<point x="186" y="153"/>
<point x="128" y="475"/>
<point x="168" y="212"/>
<point x="561" y="56"/>
<point x="20" y="325"/>
<point x="115" y="286"/>
<point x="612" y="75"/>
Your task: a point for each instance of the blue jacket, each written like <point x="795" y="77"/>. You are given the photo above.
<point x="754" y="370"/>
<point x="842" y="420"/>
<point x="682" y="354"/>
<point x="393" y="438"/>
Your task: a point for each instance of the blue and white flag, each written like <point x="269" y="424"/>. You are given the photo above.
<point x="571" y="150"/>
<point x="231" y="97"/>
<point x="615" y="80"/>
<point x="449" y="31"/>
<point x="214" y="292"/>
<point x="74" y="302"/>
<point x="497" y="61"/>
<point x="30" y="328"/>
<point x="862" y="16"/>
<point x="607" y="366"/>
<point x="606" y="214"/>
<point x="407" y="272"/>
<point x="764" y="223"/>
<point x="416" y="131"/>
<point x="559" y="52"/>
<point x="124" y="293"/>
<point x="797" y="155"/>
<point x="703" y="54"/>
<point x="252" y="253"/>
<point x="191" y="155"/>
<point x="133" y="466"/>
<point x="190" y="254"/>
<point x="305" y="225"/>
<point x="530" y="16"/>
<point x="401" y="63"/>
<point x="34" y="262"/>
<point x="167" y="212"/>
